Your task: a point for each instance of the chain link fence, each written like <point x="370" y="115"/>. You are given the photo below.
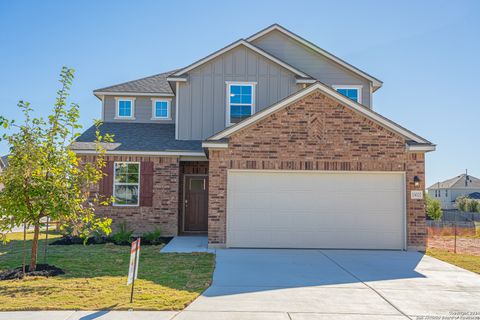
<point x="457" y="232"/>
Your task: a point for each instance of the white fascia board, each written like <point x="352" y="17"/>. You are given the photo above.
<point x="305" y="81"/>
<point x="177" y="79"/>
<point x="376" y="83"/>
<point x="332" y="93"/>
<point x="143" y="94"/>
<point x="145" y="153"/>
<point x="236" y="44"/>
<point x="421" y="148"/>
<point x="214" y="145"/>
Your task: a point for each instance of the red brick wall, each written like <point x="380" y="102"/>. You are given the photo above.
<point x="163" y="213"/>
<point x="315" y="133"/>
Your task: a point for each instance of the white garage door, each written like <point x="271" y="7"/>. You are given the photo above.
<point x="312" y="209"/>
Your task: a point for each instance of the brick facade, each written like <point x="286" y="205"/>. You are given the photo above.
<point x="315" y="133"/>
<point x="163" y="213"/>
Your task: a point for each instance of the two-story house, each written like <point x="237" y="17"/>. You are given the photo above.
<point x="268" y="142"/>
<point x="449" y="190"/>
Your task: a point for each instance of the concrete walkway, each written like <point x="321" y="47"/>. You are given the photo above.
<point x="187" y="244"/>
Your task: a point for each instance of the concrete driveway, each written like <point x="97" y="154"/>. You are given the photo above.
<point x="334" y="284"/>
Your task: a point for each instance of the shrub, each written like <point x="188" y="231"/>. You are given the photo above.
<point x="472" y="205"/>
<point x="152" y="237"/>
<point x="123" y="235"/>
<point x="466" y="204"/>
<point x="434" y="209"/>
<point x="461" y="203"/>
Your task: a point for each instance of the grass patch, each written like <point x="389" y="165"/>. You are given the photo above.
<point x="464" y="261"/>
<point x="96" y="277"/>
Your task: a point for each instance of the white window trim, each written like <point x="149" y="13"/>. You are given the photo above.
<point x="132" y="184"/>
<point x="351" y="86"/>
<point x="227" y="94"/>
<point x="117" y="101"/>
<point x="169" y="109"/>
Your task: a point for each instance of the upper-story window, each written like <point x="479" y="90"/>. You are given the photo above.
<point x="240" y="101"/>
<point x="125" y="108"/>
<point x="161" y="109"/>
<point x="352" y="92"/>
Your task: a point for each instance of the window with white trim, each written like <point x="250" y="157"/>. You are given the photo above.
<point x="352" y="92"/>
<point x="240" y="101"/>
<point x="126" y="183"/>
<point x="125" y="108"/>
<point x="161" y="109"/>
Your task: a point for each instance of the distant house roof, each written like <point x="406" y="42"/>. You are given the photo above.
<point x="462" y="181"/>
<point x="137" y="137"/>
<point x="156" y="84"/>
<point x="474" y="195"/>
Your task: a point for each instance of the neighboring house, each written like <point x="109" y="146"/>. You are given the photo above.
<point x="449" y="190"/>
<point x="268" y="142"/>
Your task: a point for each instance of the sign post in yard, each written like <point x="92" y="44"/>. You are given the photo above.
<point x="133" y="269"/>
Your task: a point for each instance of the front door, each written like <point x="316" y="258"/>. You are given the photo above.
<point x="196" y="203"/>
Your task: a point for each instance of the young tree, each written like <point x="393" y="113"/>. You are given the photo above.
<point x="44" y="178"/>
<point x="434" y="209"/>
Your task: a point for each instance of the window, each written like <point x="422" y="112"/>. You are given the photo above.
<point x="352" y="92"/>
<point x="446" y="193"/>
<point x="240" y="101"/>
<point x="125" y="108"/>
<point x="161" y="109"/>
<point x="126" y="183"/>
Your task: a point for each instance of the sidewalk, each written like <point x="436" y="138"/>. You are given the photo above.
<point x="88" y="315"/>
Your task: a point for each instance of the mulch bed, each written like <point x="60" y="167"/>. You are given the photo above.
<point x="43" y="270"/>
<point x="70" y="240"/>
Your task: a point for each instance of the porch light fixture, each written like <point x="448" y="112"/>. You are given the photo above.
<point x="416" y="181"/>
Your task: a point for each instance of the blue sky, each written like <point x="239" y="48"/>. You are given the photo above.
<point x="426" y="53"/>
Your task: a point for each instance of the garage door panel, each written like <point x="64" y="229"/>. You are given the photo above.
<point x="315" y="209"/>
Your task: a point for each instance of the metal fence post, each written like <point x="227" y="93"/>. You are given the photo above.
<point x="455" y="238"/>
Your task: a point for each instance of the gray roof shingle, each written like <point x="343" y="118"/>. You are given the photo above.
<point x="153" y="84"/>
<point x="137" y="137"/>
<point x="457" y="182"/>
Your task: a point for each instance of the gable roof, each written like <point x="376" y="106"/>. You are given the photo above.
<point x="372" y="115"/>
<point x="458" y="182"/>
<point x="233" y="45"/>
<point x="376" y="83"/>
<point x="156" y="84"/>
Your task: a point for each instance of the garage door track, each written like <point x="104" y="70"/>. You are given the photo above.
<point x="338" y="284"/>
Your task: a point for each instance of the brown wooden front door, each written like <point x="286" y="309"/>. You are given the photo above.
<point x="196" y="203"/>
